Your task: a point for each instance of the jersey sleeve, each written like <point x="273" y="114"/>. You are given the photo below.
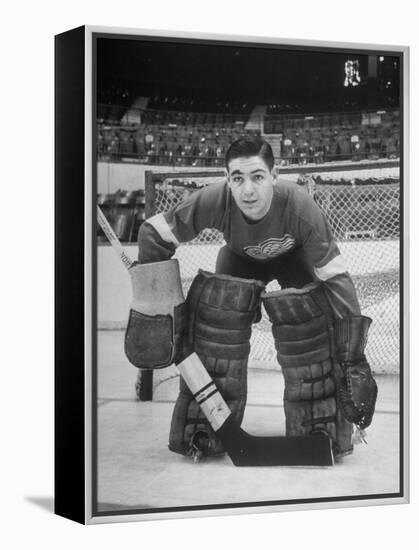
<point x="341" y="295"/>
<point x="160" y="235"/>
<point x="323" y="256"/>
<point x="152" y="247"/>
<point x="321" y="251"/>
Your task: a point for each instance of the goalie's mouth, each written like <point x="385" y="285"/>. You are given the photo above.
<point x="249" y="203"/>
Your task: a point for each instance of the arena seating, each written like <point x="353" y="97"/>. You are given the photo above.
<point x="187" y="136"/>
<point x="335" y="136"/>
<point x="201" y="144"/>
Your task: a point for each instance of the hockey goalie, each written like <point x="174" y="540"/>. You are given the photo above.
<point x="273" y="230"/>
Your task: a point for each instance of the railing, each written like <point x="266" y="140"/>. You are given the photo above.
<point x="297" y="159"/>
<point x="131" y="115"/>
<point x="275" y="123"/>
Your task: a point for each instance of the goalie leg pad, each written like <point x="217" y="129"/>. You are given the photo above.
<point x="220" y="311"/>
<point x="302" y="329"/>
<point x="157" y="319"/>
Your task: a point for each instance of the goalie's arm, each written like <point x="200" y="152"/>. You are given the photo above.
<point x="323" y="257"/>
<point x="356" y="388"/>
<point x="160" y="235"/>
<point x="152" y="246"/>
<point x="341" y="295"/>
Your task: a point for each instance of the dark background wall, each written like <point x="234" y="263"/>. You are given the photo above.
<point x="313" y="79"/>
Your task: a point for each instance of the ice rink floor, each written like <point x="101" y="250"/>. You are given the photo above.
<point x="136" y="470"/>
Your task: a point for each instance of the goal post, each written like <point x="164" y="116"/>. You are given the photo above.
<point x="361" y="201"/>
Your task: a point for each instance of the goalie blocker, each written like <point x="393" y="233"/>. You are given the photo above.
<point x="154" y="333"/>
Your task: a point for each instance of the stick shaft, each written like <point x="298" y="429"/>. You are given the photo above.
<point x="113" y="239"/>
<point x="204" y="390"/>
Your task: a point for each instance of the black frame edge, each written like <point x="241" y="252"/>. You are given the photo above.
<point x="69" y="478"/>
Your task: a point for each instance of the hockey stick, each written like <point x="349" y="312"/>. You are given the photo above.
<point x="113" y="239"/>
<point x="144" y="384"/>
<point x="243" y="448"/>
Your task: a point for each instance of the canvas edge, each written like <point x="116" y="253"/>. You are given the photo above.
<point x="128" y="517"/>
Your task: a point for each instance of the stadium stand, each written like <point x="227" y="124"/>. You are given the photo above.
<point x="180" y="131"/>
<point x="173" y="131"/>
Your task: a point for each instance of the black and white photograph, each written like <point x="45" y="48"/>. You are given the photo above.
<point x="247" y="252"/>
<point x="209" y="298"/>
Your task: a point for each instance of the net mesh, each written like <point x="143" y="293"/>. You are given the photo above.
<point x="362" y="205"/>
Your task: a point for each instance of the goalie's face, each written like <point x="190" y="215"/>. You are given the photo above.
<point x="251" y="183"/>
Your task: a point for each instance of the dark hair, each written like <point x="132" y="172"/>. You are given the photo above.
<point x="250" y="147"/>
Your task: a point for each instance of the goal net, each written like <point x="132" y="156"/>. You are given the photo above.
<point x="361" y="201"/>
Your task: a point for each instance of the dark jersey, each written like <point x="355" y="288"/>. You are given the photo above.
<point x="294" y="221"/>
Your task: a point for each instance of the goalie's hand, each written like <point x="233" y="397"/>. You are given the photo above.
<point x="357" y="392"/>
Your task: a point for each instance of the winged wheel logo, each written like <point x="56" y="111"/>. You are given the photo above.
<point x="271" y="248"/>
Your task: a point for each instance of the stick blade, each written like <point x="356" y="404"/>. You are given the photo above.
<point x="245" y="449"/>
